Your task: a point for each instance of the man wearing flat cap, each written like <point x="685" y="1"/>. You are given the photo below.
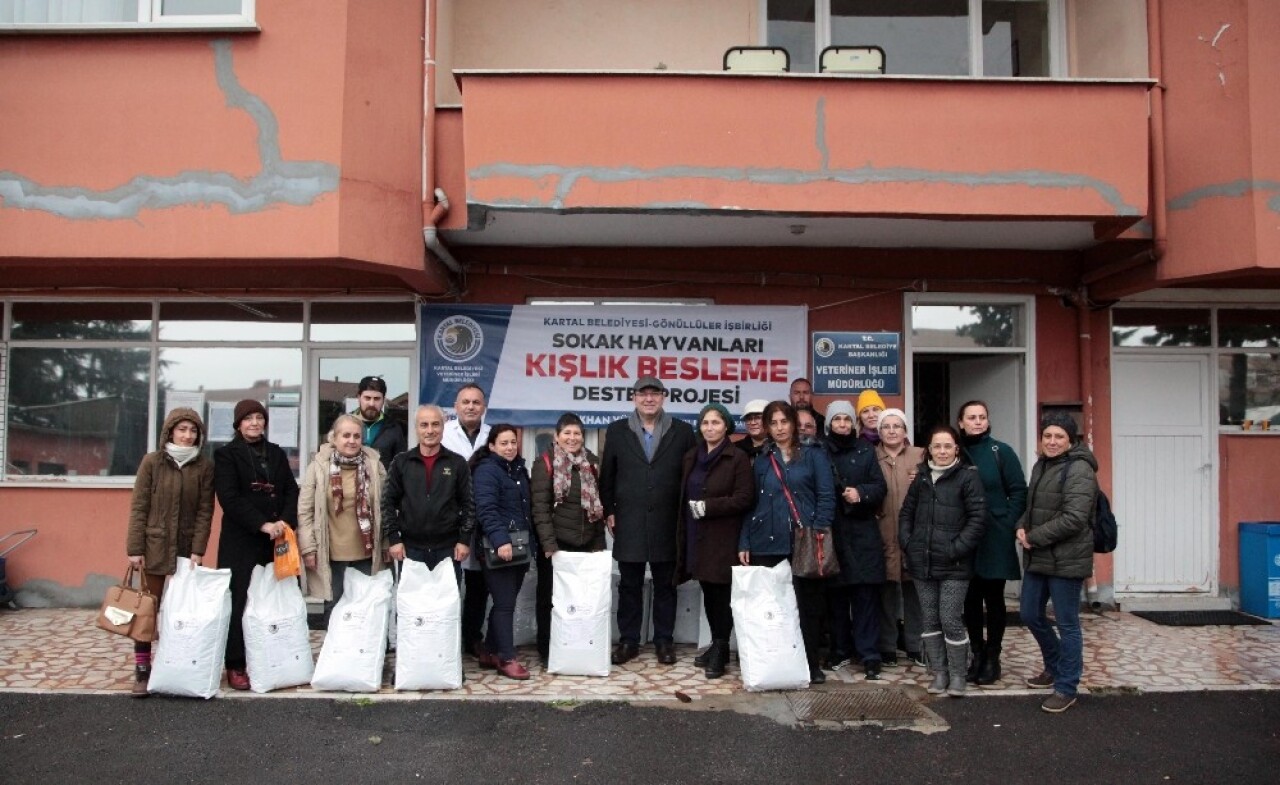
<point x="640" y="491"/>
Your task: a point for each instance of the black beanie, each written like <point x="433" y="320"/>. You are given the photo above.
<point x="1061" y="419"/>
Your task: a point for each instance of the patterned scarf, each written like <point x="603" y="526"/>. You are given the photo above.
<point x="363" y="516"/>
<point x="562" y="465"/>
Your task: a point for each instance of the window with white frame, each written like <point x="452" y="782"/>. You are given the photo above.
<point x="125" y="15"/>
<point x="90" y="382"/>
<point x="1244" y="342"/>
<point x="1012" y="38"/>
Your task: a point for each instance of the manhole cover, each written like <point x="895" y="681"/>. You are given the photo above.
<point x="882" y="705"/>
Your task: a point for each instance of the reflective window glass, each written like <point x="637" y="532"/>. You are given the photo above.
<point x="200" y="7"/>
<point x="1149" y="327"/>
<point x="967" y="326"/>
<point x="1248" y="388"/>
<point x="791" y="26"/>
<point x="81" y="321"/>
<point x="1249" y="328"/>
<point x="230" y="321"/>
<point x="1015" y="38"/>
<point x="212" y="380"/>
<point x="920" y="37"/>
<point x="363" y="321"/>
<point x="77" y="412"/>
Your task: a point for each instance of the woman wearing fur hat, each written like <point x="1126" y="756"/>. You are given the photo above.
<point x="1057" y="540"/>
<point x="717" y="492"/>
<point x="340" y="512"/>
<point x="259" y="498"/>
<point x="899" y="460"/>
<point x="996" y="560"/>
<point x="170" y="514"/>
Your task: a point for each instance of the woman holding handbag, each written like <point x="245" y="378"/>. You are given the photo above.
<point x="795" y="501"/>
<point x="505" y="515"/>
<point x="996" y="560"/>
<point x="939" y="527"/>
<point x="340" y="512"/>
<point x="259" y="499"/>
<point x="567" y="512"/>
<point x="169" y="515"/>
<point x="717" y="491"/>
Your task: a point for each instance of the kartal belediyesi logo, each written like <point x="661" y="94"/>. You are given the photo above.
<point x="458" y="339"/>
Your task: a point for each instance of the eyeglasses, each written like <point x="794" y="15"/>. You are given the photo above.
<point x="893" y="427"/>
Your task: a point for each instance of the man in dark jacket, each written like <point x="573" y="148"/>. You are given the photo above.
<point x="428" y="512"/>
<point x="380" y="432"/>
<point x="640" y="492"/>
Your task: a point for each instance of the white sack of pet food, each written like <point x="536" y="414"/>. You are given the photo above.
<point x="194" y="618"/>
<point x="428" y="627"/>
<point x="581" y="605"/>
<point x="767" y="623"/>
<point x="277" y="644"/>
<point x="355" y="646"/>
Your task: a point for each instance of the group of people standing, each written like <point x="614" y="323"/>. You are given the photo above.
<point x="924" y="537"/>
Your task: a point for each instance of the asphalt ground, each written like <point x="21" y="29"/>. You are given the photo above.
<point x="1190" y="737"/>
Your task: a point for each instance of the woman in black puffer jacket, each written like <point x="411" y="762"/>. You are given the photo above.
<point x="939" y="528"/>
<point x="1057" y="540"/>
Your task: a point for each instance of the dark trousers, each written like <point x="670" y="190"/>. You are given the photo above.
<point x="987" y="592"/>
<point x="337" y="581"/>
<point x="811" y="601"/>
<point x="154" y="584"/>
<point x="715" y="601"/>
<point x="474" y="603"/>
<point x="855" y="621"/>
<point x="504" y="585"/>
<point x="543" y="593"/>
<point x="631" y="601"/>
<point x="241" y="575"/>
<point x="433" y="556"/>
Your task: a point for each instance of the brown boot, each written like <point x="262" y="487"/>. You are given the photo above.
<point x="141" y="674"/>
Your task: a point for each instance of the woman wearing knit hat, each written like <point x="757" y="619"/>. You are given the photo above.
<point x="1057" y="541"/>
<point x="899" y="460"/>
<point x="717" y="492"/>
<point x="170" y="514"/>
<point x="997" y="558"/>
<point x="869" y="407"/>
<point x="259" y="498"/>
<point x="853" y="597"/>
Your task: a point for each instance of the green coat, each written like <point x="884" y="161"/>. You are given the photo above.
<point x="1058" y="517"/>
<point x="1006" y="492"/>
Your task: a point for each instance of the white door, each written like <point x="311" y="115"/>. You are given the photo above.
<point x="1165" y="488"/>
<point x="998" y="381"/>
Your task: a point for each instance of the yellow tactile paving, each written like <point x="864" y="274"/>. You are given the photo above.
<point x="61" y="650"/>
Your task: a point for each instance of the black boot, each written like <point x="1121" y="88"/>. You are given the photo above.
<point x="975" y="663"/>
<point x="717" y="657"/>
<point x="701" y="660"/>
<point x="990" y="671"/>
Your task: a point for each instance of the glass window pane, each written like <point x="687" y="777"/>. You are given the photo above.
<point x="363" y="321"/>
<point x="1248" y="388"/>
<point x="77" y="412"/>
<point x="200" y="7"/>
<point x="967" y="326"/>
<point x="1015" y="38"/>
<point x="791" y="26"/>
<point x="82" y="321"/>
<point x="1148" y="327"/>
<point x="52" y="11"/>
<point x="920" y="37"/>
<point x="228" y="321"/>
<point x="1251" y="328"/>
<point x="212" y="380"/>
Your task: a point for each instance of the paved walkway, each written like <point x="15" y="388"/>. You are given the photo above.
<point x="61" y="650"/>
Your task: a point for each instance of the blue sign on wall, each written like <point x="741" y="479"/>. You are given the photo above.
<point x="847" y="363"/>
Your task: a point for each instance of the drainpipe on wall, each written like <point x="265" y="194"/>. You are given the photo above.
<point x="430" y="233"/>
<point x="1155" y="65"/>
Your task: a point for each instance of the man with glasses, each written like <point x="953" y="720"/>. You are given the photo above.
<point x="380" y="432"/>
<point x="640" y="490"/>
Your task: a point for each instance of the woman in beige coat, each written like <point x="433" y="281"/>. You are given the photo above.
<point x="340" y="512"/>
<point x="898" y="600"/>
<point x="170" y="514"/>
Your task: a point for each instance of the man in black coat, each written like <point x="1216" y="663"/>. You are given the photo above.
<point x="640" y="490"/>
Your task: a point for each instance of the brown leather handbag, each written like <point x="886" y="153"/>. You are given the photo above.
<point x="128" y="611"/>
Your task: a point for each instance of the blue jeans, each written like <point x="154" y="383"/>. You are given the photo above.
<point x="1062" y="649"/>
<point x="433" y="556"/>
<point x="504" y="586"/>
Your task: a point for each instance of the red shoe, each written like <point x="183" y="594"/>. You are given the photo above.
<point x="486" y="658"/>
<point x="512" y="669"/>
<point x="237" y="679"/>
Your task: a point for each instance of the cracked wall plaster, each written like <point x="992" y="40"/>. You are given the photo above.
<point x="1232" y="189"/>
<point x="297" y="183"/>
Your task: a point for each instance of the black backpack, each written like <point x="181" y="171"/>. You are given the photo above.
<point x="1106" y="529"/>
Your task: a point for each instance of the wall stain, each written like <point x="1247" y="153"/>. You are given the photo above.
<point x="1227" y="190"/>
<point x="297" y="183"/>
<point x="568" y="176"/>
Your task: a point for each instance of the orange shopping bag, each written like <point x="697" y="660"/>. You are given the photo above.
<point x="288" y="562"/>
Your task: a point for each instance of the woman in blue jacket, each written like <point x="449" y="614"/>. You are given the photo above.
<point x="503" y="508"/>
<point x="788" y="468"/>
